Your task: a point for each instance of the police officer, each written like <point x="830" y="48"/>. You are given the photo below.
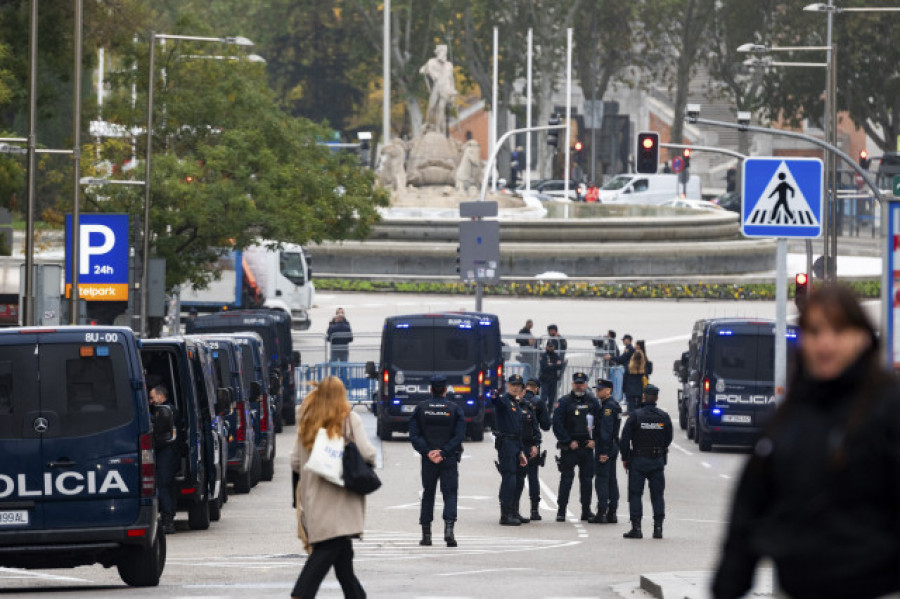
<point x="531" y="443"/>
<point x="551" y="365"/>
<point x="606" y="435"/>
<point x="510" y="452"/>
<point x="165" y="434"/>
<point x="645" y="445"/>
<point x="542" y="414"/>
<point x="437" y="428"/>
<point x="572" y="422"/>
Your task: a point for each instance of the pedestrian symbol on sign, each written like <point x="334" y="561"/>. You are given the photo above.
<point x="783" y="203"/>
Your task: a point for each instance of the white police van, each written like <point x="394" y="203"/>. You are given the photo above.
<point x="77" y="468"/>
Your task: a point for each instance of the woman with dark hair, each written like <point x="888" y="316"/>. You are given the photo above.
<point x="820" y="495"/>
<point x="633" y="380"/>
<point x="648" y="365"/>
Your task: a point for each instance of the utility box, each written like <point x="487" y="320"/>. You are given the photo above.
<point x="47" y="293"/>
<point x="479" y="251"/>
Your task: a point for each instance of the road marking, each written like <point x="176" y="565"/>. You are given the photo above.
<point x="668" y="340"/>
<point x="13" y="573"/>
<point x="579" y="528"/>
<point x="725" y="476"/>
<point x="484" y="571"/>
<point x="706" y="464"/>
<point x="682" y="449"/>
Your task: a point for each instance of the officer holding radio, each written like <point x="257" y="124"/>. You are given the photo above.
<point x="606" y="434"/>
<point x="437" y="429"/>
<point x="510" y="451"/>
<point x="645" y="447"/>
<point x="573" y="420"/>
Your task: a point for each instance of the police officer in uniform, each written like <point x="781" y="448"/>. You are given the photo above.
<point x="572" y="421"/>
<point x="542" y="415"/>
<point x="531" y="443"/>
<point x="437" y="429"/>
<point x="165" y="436"/>
<point x="645" y="445"/>
<point x="606" y="435"/>
<point x="510" y="452"/>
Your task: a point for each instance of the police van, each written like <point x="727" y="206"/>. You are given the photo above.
<point x="417" y="346"/>
<point x="731" y="372"/>
<point x="78" y="473"/>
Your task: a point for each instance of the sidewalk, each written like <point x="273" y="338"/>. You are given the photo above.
<point x="695" y="585"/>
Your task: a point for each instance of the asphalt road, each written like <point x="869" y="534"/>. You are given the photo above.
<point x="253" y="550"/>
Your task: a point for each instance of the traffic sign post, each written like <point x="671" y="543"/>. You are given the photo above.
<point x="479" y="246"/>
<point x="896" y="186"/>
<point x="782" y="198"/>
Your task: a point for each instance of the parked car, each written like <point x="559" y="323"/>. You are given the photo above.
<point x="692" y="204"/>
<point x="730" y="201"/>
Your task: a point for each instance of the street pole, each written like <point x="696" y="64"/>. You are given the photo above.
<point x="528" y="112"/>
<point x="145" y="225"/>
<point x="567" y="174"/>
<point x="76" y="166"/>
<point x="835" y="216"/>
<point x="386" y="76"/>
<point x="495" y="89"/>
<point x="827" y="124"/>
<point x="781" y="298"/>
<point x="28" y="308"/>
<point x="493" y="156"/>
<point x="479" y="295"/>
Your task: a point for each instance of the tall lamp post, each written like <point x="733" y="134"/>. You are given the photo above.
<point x="145" y="249"/>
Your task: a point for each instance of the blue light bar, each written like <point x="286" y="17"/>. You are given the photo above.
<point x="103" y="350"/>
<point x="791" y="335"/>
<point x="485" y="323"/>
<point x="215" y="354"/>
<point x="725" y="333"/>
<point x="471" y="402"/>
<point x="717" y="411"/>
<point x="396" y="402"/>
<point x="465" y="325"/>
<point x="403" y="325"/>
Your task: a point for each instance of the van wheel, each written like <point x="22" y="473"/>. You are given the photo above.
<point x="243" y="482"/>
<point x="682" y="417"/>
<point x="476" y="432"/>
<point x="691" y="427"/>
<point x="703" y="440"/>
<point x="255" y="469"/>
<point x="215" y="509"/>
<point x="143" y="566"/>
<point x="279" y="423"/>
<point x="384" y="431"/>
<point x="268" y="469"/>
<point x="289" y="416"/>
<point x="199" y="515"/>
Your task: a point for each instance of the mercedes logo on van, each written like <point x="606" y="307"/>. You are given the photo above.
<point x="400" y="378"/>
<point x="41" y="424"/>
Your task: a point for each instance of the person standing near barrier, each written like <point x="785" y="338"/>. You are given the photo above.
<point x="510" y="452"/>
<point x="648" y="365"/>
<point x="572" y="422"/>
<point x="561" y="344"/>
<point x="530" y="354"/>
<point x="542" y="414"/>
<point x="339" y="335"/>
<point x="633" y="379"/>
<point x="645" y="447"/>
<point x="531" y="444"/>
<point x="606" y="435"/>
<point x="437" y="429"/>
<point x="551" y="367"/>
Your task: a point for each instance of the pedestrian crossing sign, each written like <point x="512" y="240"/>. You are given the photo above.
<point x="782" y="197"/>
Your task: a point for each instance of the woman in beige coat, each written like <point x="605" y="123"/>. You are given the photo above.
<point x="329" y="515"/>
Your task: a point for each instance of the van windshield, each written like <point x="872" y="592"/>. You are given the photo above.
<point x="735" y="356"/>
<point x="436" y="349"/>
<point x="617" y="183"/>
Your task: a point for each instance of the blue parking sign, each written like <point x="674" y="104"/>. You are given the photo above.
<point x="782" y="197"/>
<point x="102" y="257"/>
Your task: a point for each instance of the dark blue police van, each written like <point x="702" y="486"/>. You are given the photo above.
<point x="77" y="467"/>
<point x="731" y="376"/>
<point x="417" y="346"/>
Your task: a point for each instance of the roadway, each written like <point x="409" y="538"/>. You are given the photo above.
<point x="253" y="550"/>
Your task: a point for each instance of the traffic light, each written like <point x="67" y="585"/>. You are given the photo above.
<point x="577" y="147"/>
<point x="864" y="160"/>
<point x="801" y="289"/>
<point x="553" y="134"/>
<point x="686" y="156"/>
<point x="647" y="152"/>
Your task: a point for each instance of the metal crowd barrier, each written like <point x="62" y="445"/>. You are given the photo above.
<point x="360" y="388"/>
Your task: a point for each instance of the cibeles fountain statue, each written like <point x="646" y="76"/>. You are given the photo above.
<point x="432" y="158"/>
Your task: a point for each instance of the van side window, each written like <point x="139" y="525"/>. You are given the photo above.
<point x="6" y="388"/>
<point x="18" y="389"/>
<point x="640" y="185"/>
<point x="89" y="385"/>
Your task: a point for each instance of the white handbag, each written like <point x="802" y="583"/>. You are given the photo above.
<point x="327" y="458"/>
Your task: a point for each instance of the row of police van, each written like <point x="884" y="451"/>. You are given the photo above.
<point x="78" y="481"/>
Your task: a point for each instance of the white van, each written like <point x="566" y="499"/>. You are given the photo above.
<point x="647" y="189"/>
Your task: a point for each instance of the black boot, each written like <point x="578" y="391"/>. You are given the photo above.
<point x="508" y="517"/>
<point x="635" y="532"/>
<point x="448" y="533"/>
<point x="561" y="514"/>
<point x="426" y="535"/>
<point x="586" y="514"/>
<point x="535" y="511"/>
<point x="521" y="518"/>
<point x="600" y="518"/>
<point x="611" y="517"/>
<point x="657" y="529"/>
<point x="168" y="524"/>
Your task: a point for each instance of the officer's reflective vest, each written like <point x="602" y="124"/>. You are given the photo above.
<point x="650" y="432"/>
<point x="577" y="410"/>
<point x="436" y="420"/>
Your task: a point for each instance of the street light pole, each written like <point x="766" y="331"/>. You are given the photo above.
<point x="76" y="167"/>
<point x="28" y="312"/>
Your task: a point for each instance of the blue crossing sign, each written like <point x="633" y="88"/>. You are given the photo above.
<point x="782" y="197"/>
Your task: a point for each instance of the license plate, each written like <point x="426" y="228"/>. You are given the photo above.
<point x="14" y="518"/>
<point x="737" y="419"/>
<point x="407" y="408"/>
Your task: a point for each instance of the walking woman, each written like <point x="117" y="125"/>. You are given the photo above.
<point x="633" y="381"/>
<point x="820" y="495"/>
<point x="330" y="515"/>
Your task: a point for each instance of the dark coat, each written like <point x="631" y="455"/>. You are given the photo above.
<point x="339" y="332"/>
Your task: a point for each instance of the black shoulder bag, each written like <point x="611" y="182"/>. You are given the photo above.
<point x="359" y="477"/>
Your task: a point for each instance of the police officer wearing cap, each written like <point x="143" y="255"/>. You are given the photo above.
<point x="437" y="429"/>
<point x="531" y="443"/>
<point x="572" y="422"/>
<point x="542" y="415"/>
<point x="645" y="445"/>
<point x="606" y="435"/>
<point x="510" y="451"/>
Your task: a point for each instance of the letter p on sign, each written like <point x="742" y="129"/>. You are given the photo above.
<point x="87" y="246"/>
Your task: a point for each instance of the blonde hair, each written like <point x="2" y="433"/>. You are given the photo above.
<point x="636" y="365"/>
<point x="326" y="407"/>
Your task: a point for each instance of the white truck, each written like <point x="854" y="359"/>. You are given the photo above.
<point x="647" y="189"/>
<point x="259" y="277"/>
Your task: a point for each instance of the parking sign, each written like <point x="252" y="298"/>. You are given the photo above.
<point x="102" y="257"/>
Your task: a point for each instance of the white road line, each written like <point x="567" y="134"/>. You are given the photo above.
<point x="484" y="571"/>
<point x="682" y="449"/>
<point x="579" y="528"/>
<point x="725" y="476"/>
<point x="11" y="573"/>
<point x="706" y="464"/>
<point x="549" y="493"/>
<point x="668" y="340"/>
